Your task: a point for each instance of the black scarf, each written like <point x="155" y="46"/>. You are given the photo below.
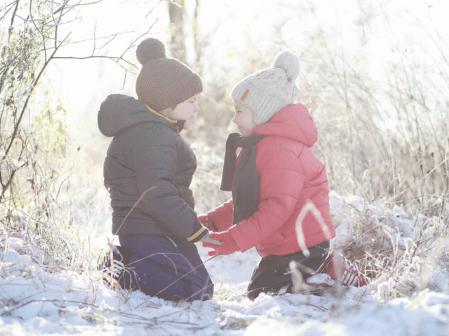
<point x="243" y="180"/>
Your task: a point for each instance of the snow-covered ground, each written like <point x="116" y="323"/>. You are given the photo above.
<point x="34" y="301"/>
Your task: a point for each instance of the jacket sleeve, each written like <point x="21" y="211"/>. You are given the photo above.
<point x="281" y="181"/>
<point x="220" y="218"/>
<point x="154" y="158"/>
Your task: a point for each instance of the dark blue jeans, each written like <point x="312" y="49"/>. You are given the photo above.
<point x="169" y="268"/>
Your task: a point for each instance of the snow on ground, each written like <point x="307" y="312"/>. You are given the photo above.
<point x="34" y="301"/>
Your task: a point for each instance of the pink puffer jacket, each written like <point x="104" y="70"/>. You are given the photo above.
<point x="290" y="176"/>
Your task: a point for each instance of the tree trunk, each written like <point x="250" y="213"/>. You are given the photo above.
<point x="176" y="13"/>
<point x="196" y="40"/>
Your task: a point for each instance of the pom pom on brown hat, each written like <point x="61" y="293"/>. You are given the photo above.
<point x="150" y="48"/>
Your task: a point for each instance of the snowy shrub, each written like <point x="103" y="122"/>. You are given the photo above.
<point x="403" y="252"/>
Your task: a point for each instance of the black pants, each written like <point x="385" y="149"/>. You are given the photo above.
<point x="273" y="272"/>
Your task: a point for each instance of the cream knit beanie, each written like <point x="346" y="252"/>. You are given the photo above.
<point x="269" y="90"/>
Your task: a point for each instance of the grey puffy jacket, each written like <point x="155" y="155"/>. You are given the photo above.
<point x="147" y="171"/>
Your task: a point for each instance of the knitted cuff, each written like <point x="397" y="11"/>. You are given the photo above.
<point x="209" y="223"/>
<point x="199" y="231"/>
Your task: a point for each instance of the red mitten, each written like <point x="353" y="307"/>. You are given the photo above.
<point x="228" y="247"/>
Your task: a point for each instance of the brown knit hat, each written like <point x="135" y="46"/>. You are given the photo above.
<point x="163" y="82"/>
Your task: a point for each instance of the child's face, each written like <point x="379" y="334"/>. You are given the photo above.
<point x="244" y="118"/>
<point x="185" y="111"/>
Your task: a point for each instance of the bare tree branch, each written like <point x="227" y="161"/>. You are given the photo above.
<point x="152" y="9"/>
<point x="104" y="45"/>
<point x="115" y="59"/>
<point x="7" y="10"/>
<point x="89" y="3"/>
<point x="133" y="43"/>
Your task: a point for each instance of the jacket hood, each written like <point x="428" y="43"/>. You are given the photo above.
<point x="293" y="122"/>
<point x="119" y="112"/>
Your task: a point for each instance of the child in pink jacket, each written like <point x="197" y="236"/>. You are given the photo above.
<point x="274" y="177"/>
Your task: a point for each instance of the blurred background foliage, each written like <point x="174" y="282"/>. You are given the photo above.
<point x="374" y="76"/>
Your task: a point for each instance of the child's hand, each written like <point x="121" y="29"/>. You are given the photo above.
<point x="227" y="247"/>
<point x="208" y="239"/>
<point x="204" y="219"/>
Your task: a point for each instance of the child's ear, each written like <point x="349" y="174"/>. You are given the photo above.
<point x="167" y="111"/>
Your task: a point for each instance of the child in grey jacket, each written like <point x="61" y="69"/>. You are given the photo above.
<point x="147" y="171"/>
